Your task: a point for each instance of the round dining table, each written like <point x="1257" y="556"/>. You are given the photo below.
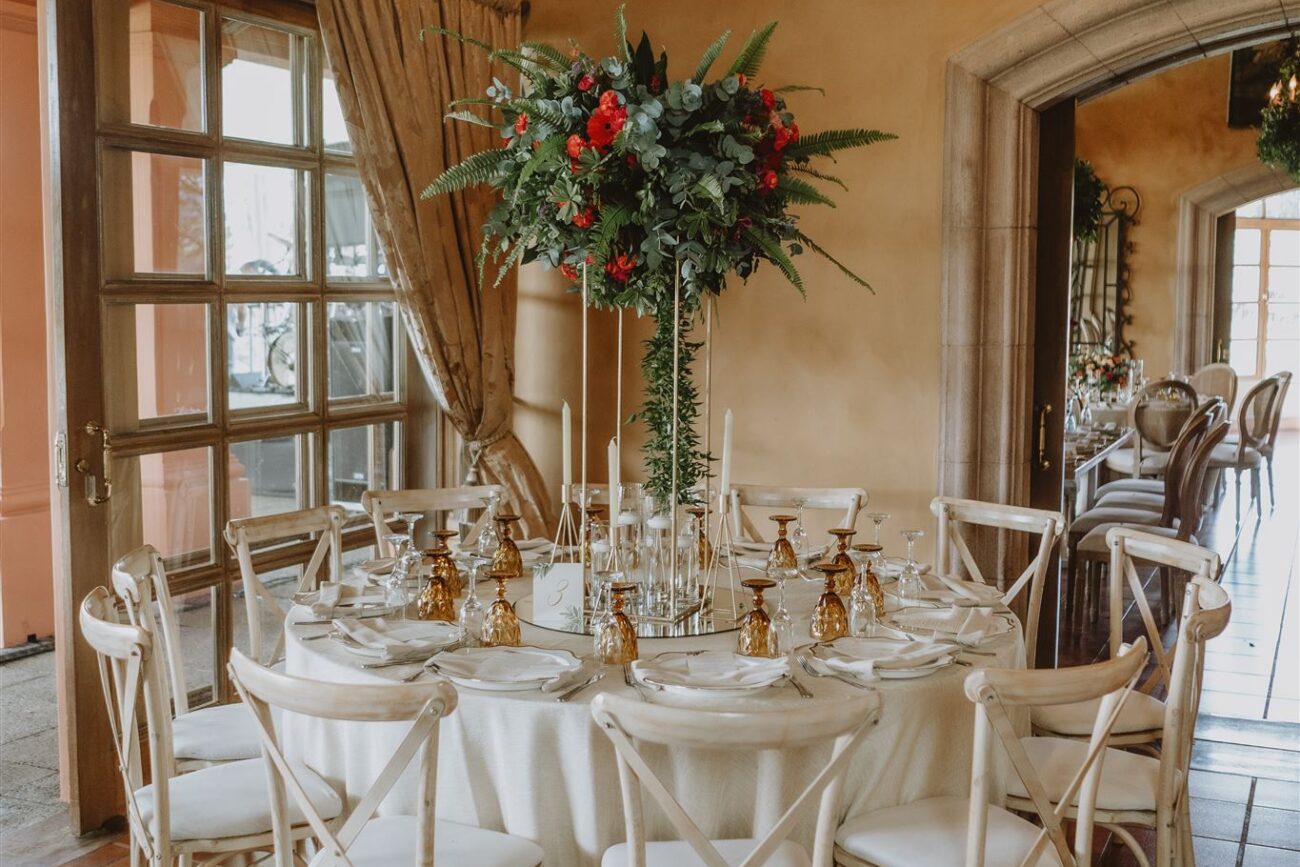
<point x="529" y="765"/>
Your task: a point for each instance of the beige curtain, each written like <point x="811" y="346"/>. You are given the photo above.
<point x="395" y="88"/>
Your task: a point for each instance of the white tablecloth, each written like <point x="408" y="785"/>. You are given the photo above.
<point x="525" y="764"/>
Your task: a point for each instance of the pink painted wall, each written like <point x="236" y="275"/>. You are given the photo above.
<point x="26" y="569"/>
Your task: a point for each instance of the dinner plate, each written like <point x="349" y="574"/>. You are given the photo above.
<point x="533" y="544"/>
<point x="367" y="606"/>
<point x="382" y="566"/>
<point x="567" y="664"/>
<point x="672" y="683"/>
<point x="913" y="622"/>
<point x="439" y="635"/>
<point x="885" y="646"/>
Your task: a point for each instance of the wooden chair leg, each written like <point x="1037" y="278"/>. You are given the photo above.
<point x="1237" y="476"/>
<point x="1272" y="491"/>
<point x="1256" y="492"/>
<point x="1094" y="614"/>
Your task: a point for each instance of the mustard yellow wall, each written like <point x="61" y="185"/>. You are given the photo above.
<point x="842" y="388"/>
<point x="1162" y="135"/>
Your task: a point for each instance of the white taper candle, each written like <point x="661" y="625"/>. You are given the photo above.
<point x="566" y="444"/>
<point x="724" y="481"/>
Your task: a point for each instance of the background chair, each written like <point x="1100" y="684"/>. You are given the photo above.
<point x="242" y="534"/>
<point x="624" y="720"/>
<point x="439" y="502"/>
<point x="1268" y="446"/>
<point x="848" y="501"/>
<point x="949" y="831"/>
<point x="1202" y="418"/>
<point x="1138" y="790"/>
<point x="1156" y="415"/>
<point x="217" y="811"/>
<point x="1218" y="380"/>
<point x="1254" y="420"/>
<point x="1046" y="526"/>
<point x="218" y="733"/>
<point x="361" y="839"/>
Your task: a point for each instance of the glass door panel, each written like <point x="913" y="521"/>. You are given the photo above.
<point x="263" y="342"/>
<point x="266" y="476"/>
<point x="166" y="500"/>
<point x="161" y="81"/>
<point x="159" y="375"/>
<point x="260" y="91"/>
<point x="154" y="214"/>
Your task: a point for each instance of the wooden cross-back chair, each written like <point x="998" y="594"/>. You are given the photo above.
<point x="379" y="505"/>
<point x="220" y="810"/>
<point x="202" y="736"/>
<point x="1144" y="714"/>
<point x="360" y="837"/>
<point x="1045" y="525"/>
<point x="244" y="534"/>
<point x="850" y="500"/>
<point x="1138" y="790"/>
<point x="624" y="721"/>
<point x="950" y="830"/>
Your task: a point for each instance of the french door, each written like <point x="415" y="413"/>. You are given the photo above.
<point x="226" y="337"/>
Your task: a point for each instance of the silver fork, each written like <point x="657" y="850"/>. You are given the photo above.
<point x="843" y="678"/>
<point x="570" y="693"/>
<point x="803" y="691"/>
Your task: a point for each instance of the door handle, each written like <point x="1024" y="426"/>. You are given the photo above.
<point x="1044" y="410"/>
<point x="98" y="489"/>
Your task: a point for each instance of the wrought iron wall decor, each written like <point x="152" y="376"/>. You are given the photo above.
<point x="1099" y="286"/>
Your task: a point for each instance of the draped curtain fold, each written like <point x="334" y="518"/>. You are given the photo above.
<point x="395" y="88"/>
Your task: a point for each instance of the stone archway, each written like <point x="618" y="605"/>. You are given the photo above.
<point x="1199" y="210"/>
<point x="995" y="89"/>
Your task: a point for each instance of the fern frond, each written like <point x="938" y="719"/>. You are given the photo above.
<point x="620" y="32"/>
<point x="474" y="100"/>
<point x="798" y="88"/>
<point x="828" y="141"/>
<point x="801" y="192"/>
<point x="710" y="54"/>
<point x="459" y="37"/>
<point x="546" y="151"/>
<point x="525" y="67"/>
<point x="555" y="58"/>
<point x="819" y="175"/>
<point x="612" y="219"/>
<point x="844" y="269"/>
<point x="773" y="252"/>
<point x="536" y="110"/>
<point x="516" y="253"/>
<point x="477" y="169"/>
<point x="469" y="117"/>
<point x="751" y="53"/>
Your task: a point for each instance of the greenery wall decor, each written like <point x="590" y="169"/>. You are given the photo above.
<point x="1279" y="129"/>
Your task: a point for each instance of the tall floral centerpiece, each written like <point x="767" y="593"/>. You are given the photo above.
<point x="1105" y="371"/>
<point x="653" y="191"/>
<point x="1279" y="129"/>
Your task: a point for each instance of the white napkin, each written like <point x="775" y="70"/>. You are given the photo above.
<point x="418" y="640"/>
<point x="944" y="588"/>
<point x="894" y="567"/>
<point x="862" y="659"/>
<point x="329" y="596"/>
<point x="712" y="669"/>
<point x="968" y="626"/>
<point x="568" y="679"/>
<point x="507" y="664"/>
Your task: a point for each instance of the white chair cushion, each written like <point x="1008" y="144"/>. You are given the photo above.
<point x="1128" y="780"/>
<point x="1095" y="541"/>
<point x="1224" y="456"/>
<point x="231" y="800"/>
<point x="1111" y="515"/>
<point x="1133" y="500"/>
<point x="678" y="853"/>
<point x="1153" y="462"/>
<point x="1141" y="713"/>
<point x="389" y="841"/>
<point x="224" y="733"/>
<point x="932" y="833"/>
<point x="1146" y="486"/>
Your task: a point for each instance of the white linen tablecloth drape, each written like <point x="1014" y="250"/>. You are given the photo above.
<point x="523" y="763"/>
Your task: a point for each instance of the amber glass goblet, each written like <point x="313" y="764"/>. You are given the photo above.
<point x="873" y="554"/>
<point x="616" y="633"/>
<point x="507" y="559"/>
<point x="842" y="536"/>
<point x="782" y="556"/>
<point x="501" y="625"/>
<point x="443" y="563"/>
<point x="756" y="636"/>
<point x="830" y="620"/>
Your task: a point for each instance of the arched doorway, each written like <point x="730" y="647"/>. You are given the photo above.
<point x="995" y="90"/>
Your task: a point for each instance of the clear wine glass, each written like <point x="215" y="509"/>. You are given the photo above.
<point x="410" y="519"/>
<point x="862" y="609"/>
<point x="470" y="617"/>
<point x="489" y="539"/>
<point x="782" y="623"/>
<point x="909" y="583"/>
<point x="395" y="593"/>
<point x="799" y="538"/>
<point x="878" y="519"/>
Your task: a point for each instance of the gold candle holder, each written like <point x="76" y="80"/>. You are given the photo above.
<point x="507" y="558"/>
<point x="501" y="624"/>
<point x="829" y="620"/>
<point x="616" y="634"/>
<point x="783" y="556"/>
<point x="842" y="536"/>
<point x="756" y="637"/>
<point x="869" y="578"/>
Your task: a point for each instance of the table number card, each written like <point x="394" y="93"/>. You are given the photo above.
<point x="557" y="595"/>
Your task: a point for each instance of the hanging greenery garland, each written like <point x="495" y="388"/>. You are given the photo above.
<point x="1089" y="200"/>
<point x="1279" y="129"/>
<point x="609" y="166"/>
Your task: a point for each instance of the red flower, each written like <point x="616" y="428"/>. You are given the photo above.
<point x="604" y="124"/>
<point x="781" y="138"/>
<point x="609" y="99"/>
<point x="740" y="77"/>
<point x="620" y="267"/>
<point x="768" y="97"/>
<point x="656" y="83"/>
<point x="570" y="273"/>
<point x="794" y="132"/>
<point x="586" y="83"/>
<point x="521" y="125"/>
<point x="766" y="181"/>
<point x="574" y="145"/>
<point x="584" y="218"/>
<point x="631" y="161"/>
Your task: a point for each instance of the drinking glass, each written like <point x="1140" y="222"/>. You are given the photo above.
<point x="614" y="638"/>
<point x="395" y="584"/>
<point x="862" y="608"/>
<point x="410" y="519"/>
<point x="489" y="539"/>
<point x="909" y="583"/>
<point x="799" y="538"/>
<point x="756" y="636"/>
<point x="782" y="623"/>
<point x="470" y="617"/>
<point x="878" y="518"/>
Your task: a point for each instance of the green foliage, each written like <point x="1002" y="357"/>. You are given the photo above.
<point x="822" y="144"/>
<point x="844" y="269"/>
<point x="799" y="192"/>
<point x="710" y="54"/>
<point x="1279" y="129"/>
<point x="771" y="248"/>
<point x="1090" y="194"/>
<point x="752" y="52"/>
<point x="479" y="168"/>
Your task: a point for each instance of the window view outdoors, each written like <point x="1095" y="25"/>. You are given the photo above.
<point x="1265" y="331"/>
<point x="253" y="339"/>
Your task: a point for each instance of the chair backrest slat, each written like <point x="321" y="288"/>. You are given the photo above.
<point x="1047" y="526"/>
<point x="1218" y="379"/>
<point x="379" y="504"/>
<point x="1255" y="415"/>
<point x="624" y="720"/>
<point x="851" y="500"/>
<point x="1279" y="404"/>
<point x="137" y="576"/>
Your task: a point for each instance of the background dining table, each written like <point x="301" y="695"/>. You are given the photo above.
<point x="524" y="763"/>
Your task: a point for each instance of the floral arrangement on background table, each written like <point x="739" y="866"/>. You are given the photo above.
<point x="1105" y="371"/>
<point x="650" y="191"/>
<point x="1279" y="129"/>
